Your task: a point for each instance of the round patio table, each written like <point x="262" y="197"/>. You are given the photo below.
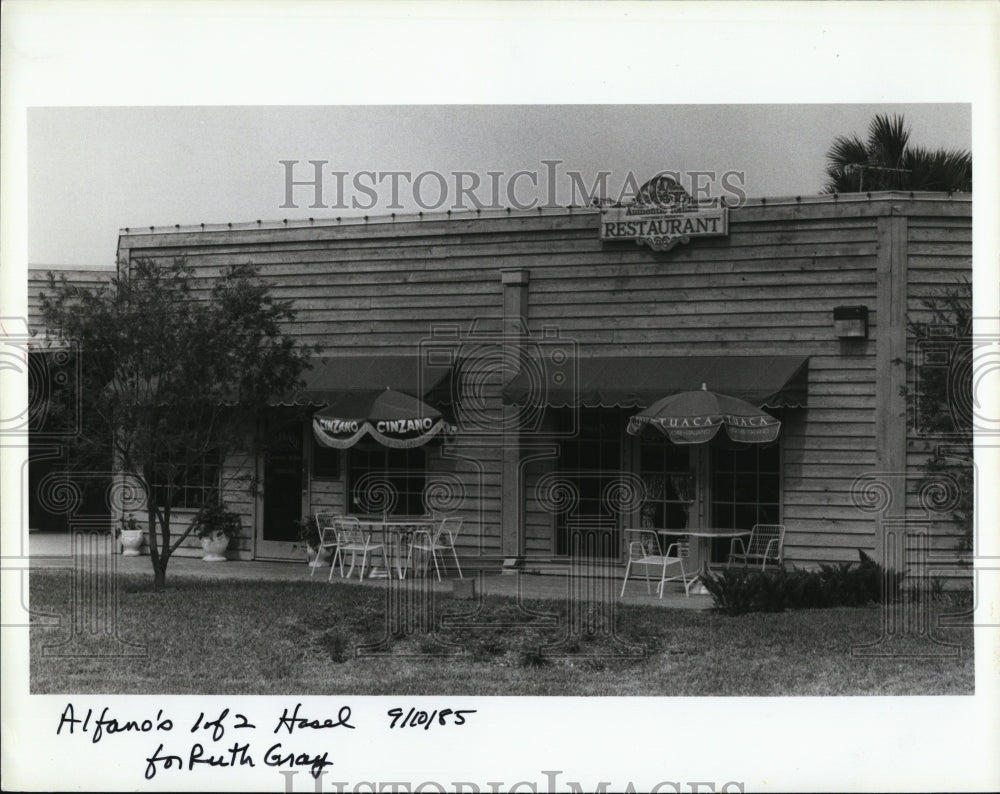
<point x="701" y="557"/>
<point x="398" y="530"/>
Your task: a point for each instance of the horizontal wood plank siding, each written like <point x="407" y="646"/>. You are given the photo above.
<point x="940" y="257"/>
<point x="768" y="288"/>
<point x="38" y="282"/>
<point x="761" y="291"/>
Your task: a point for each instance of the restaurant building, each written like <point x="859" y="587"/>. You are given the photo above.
<point x="539" y="333"/>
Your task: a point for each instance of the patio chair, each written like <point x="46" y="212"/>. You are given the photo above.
<point x="765" y="544"/>
<point x="644" y="549"/>
<point x="440" y="540"/>
<point x="352" y="537"/>
<point x="326" y="524"/>
<point x="450" y="527"/>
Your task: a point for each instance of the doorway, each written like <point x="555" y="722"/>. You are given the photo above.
<point x="284" y="488"/>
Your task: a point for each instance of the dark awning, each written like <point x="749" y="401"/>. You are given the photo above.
<point x="638" y="381"/>
<point x="335" y="377"/>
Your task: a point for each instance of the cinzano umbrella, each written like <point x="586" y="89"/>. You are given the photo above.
<point x="392" y="418"/>
<point x="694" y="417"/>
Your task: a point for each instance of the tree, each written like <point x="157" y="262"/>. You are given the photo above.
<point x="175" y="371"/>
<point x="886" y="161"/>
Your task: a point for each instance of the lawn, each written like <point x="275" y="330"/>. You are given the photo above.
<point x="319" y="638"/>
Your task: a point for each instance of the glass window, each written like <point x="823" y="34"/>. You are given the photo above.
<point x="745" y="487"/>
<point x="670" y="485"/>
<point x="382" y="480"/>
<point x="193" y="483"/>
<point x="745" y="491"/>
<point x="590" y="460"/>
<point x="325" y="462"/>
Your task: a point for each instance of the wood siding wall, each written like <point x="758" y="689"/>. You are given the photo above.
<point x="38" y="282"/>
<point x="939" y="254"/>
<point x="769" y="288"/>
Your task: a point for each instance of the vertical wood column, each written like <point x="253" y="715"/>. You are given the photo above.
<point x="515" y="327"/>
<point x="890" y="366"/>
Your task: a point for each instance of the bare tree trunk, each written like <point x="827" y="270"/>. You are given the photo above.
<point x="159" y="570"/>
<point x="160" y="576"/>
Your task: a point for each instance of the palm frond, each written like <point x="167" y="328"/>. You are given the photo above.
<point x="943" y="169"/>
<point x="844" y="158"/>
<point x="885" y="161"/>
<point x="887" y="140"/>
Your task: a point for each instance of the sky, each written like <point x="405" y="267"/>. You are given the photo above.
<point x="95" y="170"/>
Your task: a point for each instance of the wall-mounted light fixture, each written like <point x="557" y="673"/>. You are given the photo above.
<point x="851" y="322"/>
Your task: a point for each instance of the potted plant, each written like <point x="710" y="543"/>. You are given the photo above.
<point x="310" y="538"/>
<point x="216" y="525"/>
<point x="129" y="535"/>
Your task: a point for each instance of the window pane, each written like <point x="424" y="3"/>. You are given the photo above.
<point x="745" y="488"/>
<point x="751" y="493"/>
<point x="650" y="458"/>
<point x="769" y="458"/>
<point x="326" y="462"/>
<point x="192" y="483"/>
<point x="402" y="469"/>
<point x="722" y="459"/>
<point x="745" y="460"/>
<point x="676" y="459"/>
<point x="745" y="516"/>
<point x="769" y="488"/>
<point x="675" y="516"/>
<point x="722" y="515"/>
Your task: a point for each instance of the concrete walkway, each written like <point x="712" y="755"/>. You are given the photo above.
<point x="53" y="550"/>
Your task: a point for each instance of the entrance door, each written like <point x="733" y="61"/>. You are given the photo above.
<point x="669" y="473"/>
<point x="284" y="491"/>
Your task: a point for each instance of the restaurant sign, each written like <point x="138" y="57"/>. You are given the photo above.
<point x="663" y="215"/>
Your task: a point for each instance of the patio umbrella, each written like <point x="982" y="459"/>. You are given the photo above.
<point x="392" y="418"/>
<point x="694" y="417"/>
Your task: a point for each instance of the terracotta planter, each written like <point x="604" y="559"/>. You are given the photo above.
<point x="131" y="540"/>
<point x="215" y="547"/>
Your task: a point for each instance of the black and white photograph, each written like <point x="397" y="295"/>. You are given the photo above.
<point x="492" y="435"/>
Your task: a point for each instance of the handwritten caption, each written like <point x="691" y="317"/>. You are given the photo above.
<point x="236" y="732"/>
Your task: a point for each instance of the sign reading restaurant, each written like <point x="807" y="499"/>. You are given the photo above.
<point x="663" y="215"/>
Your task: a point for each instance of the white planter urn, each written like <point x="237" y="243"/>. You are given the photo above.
<point x="215" y="547"/>
<point x="131" y="540"/>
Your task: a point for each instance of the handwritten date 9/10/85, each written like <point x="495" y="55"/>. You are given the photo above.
<point x="417" y="718"/>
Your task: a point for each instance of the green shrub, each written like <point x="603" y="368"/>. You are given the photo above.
<point x="337" y="643"/>
<point x="738" y="591"/>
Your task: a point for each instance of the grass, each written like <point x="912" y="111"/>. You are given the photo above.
<point x="304" y="638"/>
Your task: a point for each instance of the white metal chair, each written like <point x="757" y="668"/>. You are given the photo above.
<point x="352" y="537"/>
<point x="440" y="540"/>
<point x="765" y="544"/>
<point x="326" y="524"/>
<point x="644" y="549"/>
<point x="450" y="527"/>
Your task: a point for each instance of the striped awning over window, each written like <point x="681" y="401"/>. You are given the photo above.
<point x="334" y="378"/>
<point x="639" y="381"/>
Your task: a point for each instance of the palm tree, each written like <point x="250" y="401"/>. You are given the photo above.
<point x="885" y="161"/>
